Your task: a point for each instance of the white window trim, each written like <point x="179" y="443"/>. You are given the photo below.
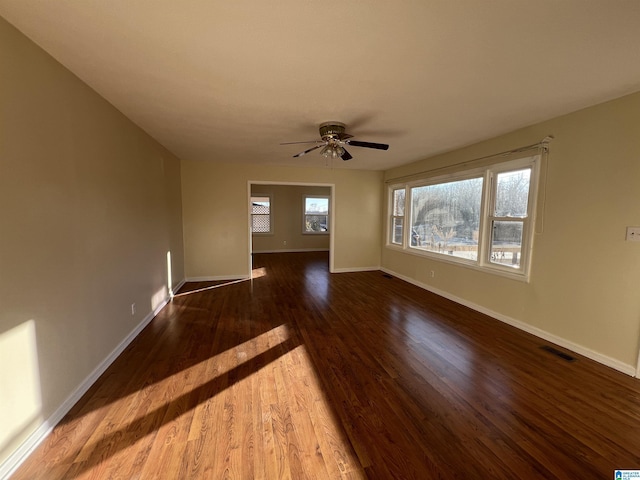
<point x="270" y="197"/>
<point x="483" y="263"/>
<point x="304" y="214"/>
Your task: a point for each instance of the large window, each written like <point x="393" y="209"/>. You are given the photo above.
<point x="480" y="217"/>
<point x="316" y="214"/>
<point x="445" y="217"/>
<point x="261" y="214"/>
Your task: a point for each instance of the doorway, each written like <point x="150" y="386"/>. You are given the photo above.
<point x="290" y="217"/>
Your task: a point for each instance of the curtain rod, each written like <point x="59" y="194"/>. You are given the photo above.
<point x="542" y="144"/>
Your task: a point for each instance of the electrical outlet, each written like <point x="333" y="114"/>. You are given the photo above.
<point x="284" y="243"/>
<point x="633" y="234"/>
<point x="133" y="309"/>
<point x="433" y="273"/>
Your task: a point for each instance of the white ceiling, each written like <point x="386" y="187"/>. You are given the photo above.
<point x="229" y="81"/>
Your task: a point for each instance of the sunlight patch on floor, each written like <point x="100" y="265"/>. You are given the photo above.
<point x="258" y="272"/>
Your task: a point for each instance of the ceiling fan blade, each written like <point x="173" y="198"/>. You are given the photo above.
<point x="293" y="143"/>
<point x="315" y="147"/>
<point x="378" y="146"/>
<point x="344" y="136"/>
<point x="346" y="155"/>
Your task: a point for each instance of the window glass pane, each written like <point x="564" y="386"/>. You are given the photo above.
<point x="316" y="214"/>
<point x="398" y="202"/>
<point x="445" y="218"/>
<point x="258" y="209"/>
<point x="315" y="223"/>
<point x="316" y="205"/>
<point x="260" y="205"/>
<point x="397" y="230"/>
<point x="260" y="223"/>
<point x="506" y="243"/>
<point x="512" y="193"/>
<point x="260" y="214"/>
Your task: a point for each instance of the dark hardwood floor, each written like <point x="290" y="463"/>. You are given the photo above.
<point x="302" y="374"/>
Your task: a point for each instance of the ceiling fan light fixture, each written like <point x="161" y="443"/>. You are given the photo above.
<point x="332" y="151"/>
<point x="326" y="152"/>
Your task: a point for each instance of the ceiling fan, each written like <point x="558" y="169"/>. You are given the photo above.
<point x="334" y="140"/>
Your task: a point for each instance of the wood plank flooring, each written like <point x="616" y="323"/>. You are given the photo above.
<point x="299" y="374"/>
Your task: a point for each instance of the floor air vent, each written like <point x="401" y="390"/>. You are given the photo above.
<point x="558" y="353"/>
<point x="386" y="275"/>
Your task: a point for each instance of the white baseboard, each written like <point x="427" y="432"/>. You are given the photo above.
<point x="569" y="345"/>
<point x="295" y="250"/>
<point x="11" y="464"/>
<point x="177" y="287"/>
<point x="355" y="269"/>
<point x="220" y="278"/>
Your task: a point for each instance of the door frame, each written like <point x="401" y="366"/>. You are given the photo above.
<point x="332" y="209"/>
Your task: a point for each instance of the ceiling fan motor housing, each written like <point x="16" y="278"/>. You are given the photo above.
<point x="332" y="130"/>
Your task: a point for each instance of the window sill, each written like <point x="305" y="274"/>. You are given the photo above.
<point x="491" y="270"/>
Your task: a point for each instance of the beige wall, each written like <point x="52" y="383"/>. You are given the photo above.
<point x="216" y="215"/>
<point x="583" y="290"/>
<point x="90" y="207"/>
<point x="286" y="218"/>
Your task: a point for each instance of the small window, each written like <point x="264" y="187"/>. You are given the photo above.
<point x="261" y="214"/>
<point x="316" y="215"/>
<point x="397" y="215"/>
<point x="509" y="218"/>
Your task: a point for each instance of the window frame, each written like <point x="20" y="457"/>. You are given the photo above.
<point x="527" y="220"/>
<point x="269" y="215"/>
<point x="489" y="173"/>
<point x="305" y="215"/>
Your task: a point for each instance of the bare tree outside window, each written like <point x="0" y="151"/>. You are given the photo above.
<point x="316" y="215"/>
<point x="511" y="207"/>
<point x="446" y="217"/>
